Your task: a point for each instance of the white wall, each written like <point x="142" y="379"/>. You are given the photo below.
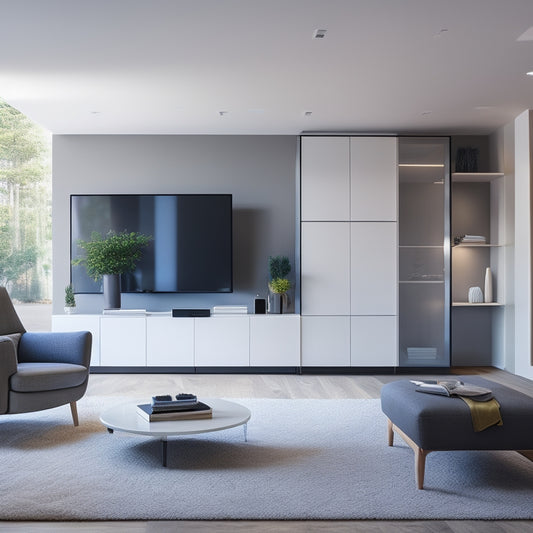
<point x="522" y="271"/>
<point x="258" y="170"/>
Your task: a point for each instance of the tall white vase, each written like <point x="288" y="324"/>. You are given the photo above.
<point x="488" y="285"/>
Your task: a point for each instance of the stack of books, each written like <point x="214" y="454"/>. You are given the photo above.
<point x="470" y="239"/>
<point x="180" y="407"/>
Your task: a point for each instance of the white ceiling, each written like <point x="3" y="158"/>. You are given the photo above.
<point x="172" y="66"/>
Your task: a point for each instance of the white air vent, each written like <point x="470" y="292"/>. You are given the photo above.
<point x="423" y="353"/>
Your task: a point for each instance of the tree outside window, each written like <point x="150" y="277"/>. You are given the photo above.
<point x="25" y="207"/>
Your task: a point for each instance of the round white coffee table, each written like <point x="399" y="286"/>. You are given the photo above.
<point x="125" y="418"/>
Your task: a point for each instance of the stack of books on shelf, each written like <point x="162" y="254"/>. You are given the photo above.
<point x="470" y="239"/>
<point x="180" y="407"/>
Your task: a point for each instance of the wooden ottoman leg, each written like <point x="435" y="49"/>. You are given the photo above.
<point x="390" y="432"/>
<point x="420" y="454"/>
<point x="420" y="466"/>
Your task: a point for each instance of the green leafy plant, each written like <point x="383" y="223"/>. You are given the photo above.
<point x="70" y="300"/>
<point x="279" y="267"/>
<point x="117" y="253"/>
<point x="280" y="285"/>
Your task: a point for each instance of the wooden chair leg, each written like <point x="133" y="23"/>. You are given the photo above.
<point x="74" y="411"/>
<point x="420" y="466"/>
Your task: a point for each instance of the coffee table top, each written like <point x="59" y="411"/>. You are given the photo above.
<point x="226" y="414"/>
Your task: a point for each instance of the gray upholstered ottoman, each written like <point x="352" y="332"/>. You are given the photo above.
<point x="429" y="422"/>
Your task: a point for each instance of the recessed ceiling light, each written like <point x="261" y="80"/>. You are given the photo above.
<point x="319" y="34"/>
<point x="530" y="73"/>
<point x="441" y="33"/>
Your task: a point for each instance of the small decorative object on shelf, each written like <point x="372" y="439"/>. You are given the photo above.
<point x="469" y="239"/>
<point x="475" y="295"/>
<point x="70" y="300"/>
<point x="488" y="285"/>
<point x="466" y="160"/>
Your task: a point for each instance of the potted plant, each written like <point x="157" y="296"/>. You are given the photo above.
<point x="279" y="267"/>
<point x="70" y="300"/>
<point x="110" y="257"/>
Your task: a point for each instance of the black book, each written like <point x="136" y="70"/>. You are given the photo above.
<point x="198" y="411"/>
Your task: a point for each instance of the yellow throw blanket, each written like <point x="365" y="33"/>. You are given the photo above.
<point x="484" y="414"/>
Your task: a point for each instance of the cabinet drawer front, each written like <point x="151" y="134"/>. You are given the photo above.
<point x="374" y="267"/>
<point x="326" y="341"/>
<point x="325" y="268"/>
<point x="222" y="341"/>
<point x="325" y="171"/>
<point x="123" y="341"/>
<point x="170" y="341"/>
<point x="275" y="340"/>
<point x="374" y="341"/>
<point x="374" y="178"/>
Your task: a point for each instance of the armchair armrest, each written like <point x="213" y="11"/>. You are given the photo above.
<point x="56" y="347"/>
<point x="8" y="366"/>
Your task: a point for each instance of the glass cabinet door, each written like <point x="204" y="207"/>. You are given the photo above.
<point x="424" y="251"/>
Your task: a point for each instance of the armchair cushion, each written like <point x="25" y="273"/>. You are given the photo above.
<point x="72" y="347"/>
<point x="38" y="377"/>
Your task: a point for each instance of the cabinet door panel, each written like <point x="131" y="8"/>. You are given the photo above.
<point x="326" y="341"/>
<point x="374" y="178"/>
<point x="275" y="340"/>
<point x="123" y="341"/>
<point x="325" y="271"/>
<point x="325" y="172"/>
<point x="169" y="341"/>
<point x="222" y="341"/>
<point x="374" y="267"/>
<point x="374" y="341"/>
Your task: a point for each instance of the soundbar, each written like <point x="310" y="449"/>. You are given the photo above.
<point x="191" y="312"/>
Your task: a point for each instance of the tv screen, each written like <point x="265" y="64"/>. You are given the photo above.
<point x="191" y="247"/>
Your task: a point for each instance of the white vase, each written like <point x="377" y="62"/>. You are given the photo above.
<point x="488" y="285"/>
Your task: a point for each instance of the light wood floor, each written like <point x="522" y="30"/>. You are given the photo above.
<point x="273" y="386"/>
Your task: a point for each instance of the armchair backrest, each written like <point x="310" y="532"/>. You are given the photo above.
<point x="9" y="320"/>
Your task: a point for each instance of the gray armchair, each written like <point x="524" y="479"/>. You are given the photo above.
<point x="40" y="370"/>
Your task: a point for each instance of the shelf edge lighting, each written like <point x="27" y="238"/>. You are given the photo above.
<point x="438" y="165"/>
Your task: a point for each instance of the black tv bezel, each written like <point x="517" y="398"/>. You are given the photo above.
<point x="72" y="195"/>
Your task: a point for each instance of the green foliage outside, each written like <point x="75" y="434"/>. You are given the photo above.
<point x="117" y="253"/>
<point x="279" y="268"/>
<point x="25" y="206"/>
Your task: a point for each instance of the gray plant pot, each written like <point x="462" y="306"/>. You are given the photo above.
<point x="111" y="291"/>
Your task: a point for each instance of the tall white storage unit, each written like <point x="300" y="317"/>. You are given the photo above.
<point x="349" y="251"/>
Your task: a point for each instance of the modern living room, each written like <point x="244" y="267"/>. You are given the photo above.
<point x="283" y="106"/>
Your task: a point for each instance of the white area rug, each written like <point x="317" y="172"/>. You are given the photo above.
<point x="304" y="459"/>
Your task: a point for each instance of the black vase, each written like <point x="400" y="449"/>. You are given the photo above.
<point x="111" y="291"/>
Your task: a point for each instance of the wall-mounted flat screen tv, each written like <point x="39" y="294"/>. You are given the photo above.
<point x="191" y="247"/>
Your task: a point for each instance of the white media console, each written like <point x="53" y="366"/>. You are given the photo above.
<point x="159" y="340"/>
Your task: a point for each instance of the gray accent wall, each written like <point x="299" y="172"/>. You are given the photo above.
<point x="259" y="171"/>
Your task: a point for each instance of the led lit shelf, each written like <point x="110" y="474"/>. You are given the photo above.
<point x="481" y="304"/>
<point x="423" y="281"/>
<point x="476" y="245"/>
<point x="476" y="176"/>
<point x="421" y="246"/>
